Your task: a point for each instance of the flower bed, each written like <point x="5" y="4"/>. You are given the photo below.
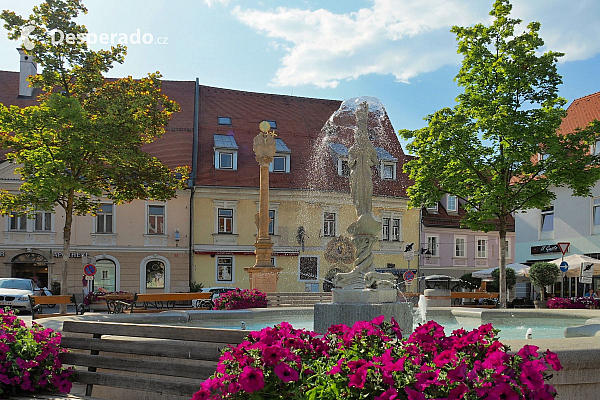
<point x="239" y="299"/>
<point x="575" y="302"/>
<point x="367" y="361"/>
<point x="29" y="358"/>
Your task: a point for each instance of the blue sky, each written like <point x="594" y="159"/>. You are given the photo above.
<point x="400" y="51"/>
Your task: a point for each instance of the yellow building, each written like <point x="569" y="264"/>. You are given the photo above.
<point x="310" y="204"/>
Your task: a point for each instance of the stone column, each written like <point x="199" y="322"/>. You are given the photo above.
<point x="263" y="275"/>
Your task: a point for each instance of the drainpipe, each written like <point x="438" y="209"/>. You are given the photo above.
<point x="192" y="181"/>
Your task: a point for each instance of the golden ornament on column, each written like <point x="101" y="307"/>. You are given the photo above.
<point x="263" y="275"/>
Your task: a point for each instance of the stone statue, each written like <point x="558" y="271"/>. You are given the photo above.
<point x="361" y="158"/>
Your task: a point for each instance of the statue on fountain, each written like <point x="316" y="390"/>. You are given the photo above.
<point x="361" y="158"/>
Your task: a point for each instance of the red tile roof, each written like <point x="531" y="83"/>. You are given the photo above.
<point x="581" y="112"/>
<point x="299" y="122"/>
<point x="443" y="219"/>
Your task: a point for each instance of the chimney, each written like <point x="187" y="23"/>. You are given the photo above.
<point x="28" y="67"/>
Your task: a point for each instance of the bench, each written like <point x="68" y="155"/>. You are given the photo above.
<point x="37" y="303"/>
<point x="130" y="302"/>
<point x="297" y="299"/>
<point x="153" y="358"/>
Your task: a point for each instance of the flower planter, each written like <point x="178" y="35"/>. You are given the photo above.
<point x="98" y="306"/>
<point x="540" y="304"/>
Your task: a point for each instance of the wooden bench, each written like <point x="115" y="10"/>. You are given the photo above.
<point x="153" y="358"/>
<point x="37" y="303"/>
<point x="148" y="302"/>
<point x="297" y="299"/>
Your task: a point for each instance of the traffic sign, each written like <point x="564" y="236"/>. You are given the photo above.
<point x="89" y="270"/>
<point x="408" y="276"/>
<point x="564" y="266"/>
<point x="564" y="247"/>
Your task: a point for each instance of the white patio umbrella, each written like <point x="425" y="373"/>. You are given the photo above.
<point x="521" y="272"/>
<point x="575" y="261"/>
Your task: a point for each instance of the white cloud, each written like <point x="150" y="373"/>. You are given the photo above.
<point x="404" y="38"/>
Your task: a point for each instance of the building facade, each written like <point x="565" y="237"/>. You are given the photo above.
<point x="449" y="249"/>
<point x="569" y="219"/>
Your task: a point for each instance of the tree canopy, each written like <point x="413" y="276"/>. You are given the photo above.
<point x="83" y="140"/>
<point x="499" y="149"/>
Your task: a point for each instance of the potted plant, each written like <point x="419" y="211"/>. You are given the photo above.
<point x="543" y="274"/>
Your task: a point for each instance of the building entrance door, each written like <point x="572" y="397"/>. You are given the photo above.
<point x="31" y="266"/>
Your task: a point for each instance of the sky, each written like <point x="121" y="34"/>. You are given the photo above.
<point x="400" y="51"/>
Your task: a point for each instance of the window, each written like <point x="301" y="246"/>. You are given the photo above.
<point x="106" y="275"/>
<point x="344" y="168"/>
<point x="272" y="123"/>
<point x="225" y="220"/>
<point x="309" y="268"/>
<point x="156" y="220"/>
<point x="225" y="269"/>
<point x="224" y="120"/>
<point x="43" y="221"/>
<point x="433" y="208"/>
<point x="432" y="245"/>
<point x="155" y="275"/>
<point x="18" y="222"/>
<point x="225" y="152"/>
<point x="225" y="161"/>
<point x="596" y="148"/>
<point x="279" y="164"/>
<point x="460" y="244"/>
<point x="596" y="215"/>
<point x="396" y="230"/>
<point x="271" y="222"/>
<point x="548" y="220"/>
<point x="482" y="247"/>
<point x="385" y="227"/>
<point x="104" y="219"/>
<point x="451" y="204"/>
<point x="388" y="171"/>
<point x="281" y="159"/>
<point x="328" y="224"/>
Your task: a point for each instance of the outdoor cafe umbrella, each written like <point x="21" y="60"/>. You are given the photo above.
<point x="521" y="272"/>
<point x="575" y="261"/>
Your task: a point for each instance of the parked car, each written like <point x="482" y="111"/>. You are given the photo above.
<point x="216" y="292"/>
<point x="15" y="292"/>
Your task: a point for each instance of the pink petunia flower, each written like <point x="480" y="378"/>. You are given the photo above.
<point x="251" y="379"/>
<point x="552" y="359"/>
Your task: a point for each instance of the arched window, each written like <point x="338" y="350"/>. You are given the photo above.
<point x="155" y="275"/>
<point x="106" y="275"/>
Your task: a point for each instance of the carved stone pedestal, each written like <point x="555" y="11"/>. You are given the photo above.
<point x="263" y="279"/>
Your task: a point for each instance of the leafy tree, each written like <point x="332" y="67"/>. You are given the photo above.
<point x="544" y="274"/>
<point x="486" y="150"/>
<point x="511" y="280"/>
<point x="468" y="281"/>
<point x="84" y="138"/>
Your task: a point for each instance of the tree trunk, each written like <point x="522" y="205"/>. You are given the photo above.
<point x="502" y="231"/>
<point x="64" y="289"/>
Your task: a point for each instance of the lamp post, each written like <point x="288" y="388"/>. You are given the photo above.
<point x="263" y="275"/>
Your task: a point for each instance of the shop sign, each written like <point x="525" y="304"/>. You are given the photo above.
<point x="547" y="248"/>
<point x="72" y="255"/>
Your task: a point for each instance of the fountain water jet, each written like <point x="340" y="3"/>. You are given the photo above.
<point x="363" y="293"/>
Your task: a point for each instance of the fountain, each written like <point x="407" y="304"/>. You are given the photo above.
<point x="362" y="293"/>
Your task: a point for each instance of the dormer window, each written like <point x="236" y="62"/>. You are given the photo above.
<point x="339" y="153"/>
<point x="387" y="164"/>
<point x="433" y="208"/>
<point x="224" y="121"/>
<point x="272" y="123"/>
<point x="225" y="152"/>
<point x="281" y="160"/>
